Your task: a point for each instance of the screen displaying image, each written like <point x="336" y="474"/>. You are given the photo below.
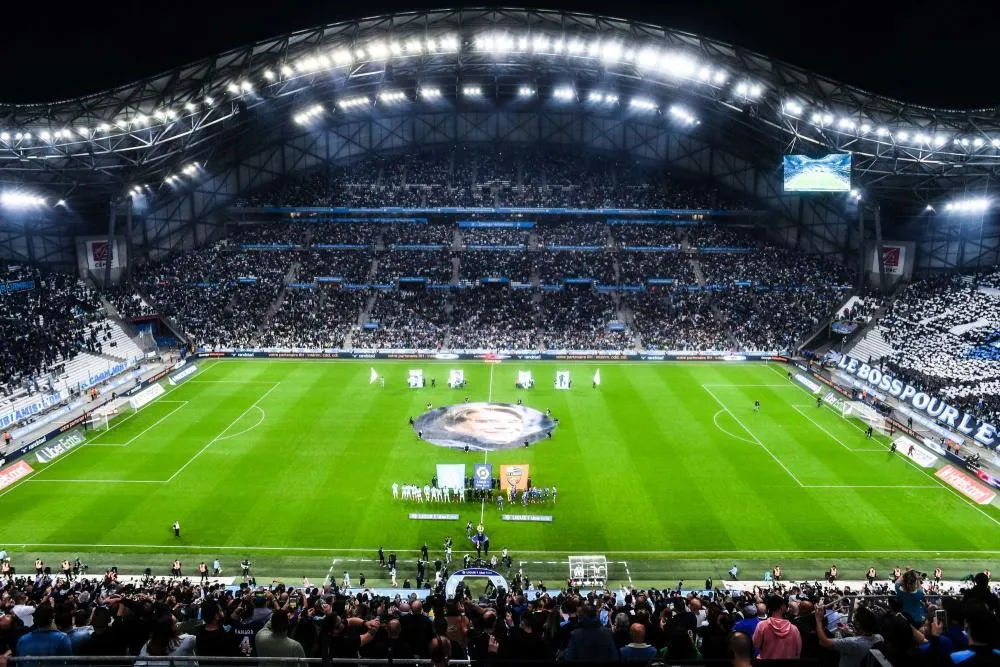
<point x="830" y="173"/>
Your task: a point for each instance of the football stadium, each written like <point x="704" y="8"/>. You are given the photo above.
<point x="498" y="336"/>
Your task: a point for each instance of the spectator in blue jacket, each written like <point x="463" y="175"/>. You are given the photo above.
<point x="637" y="650"/>
<point x="44" y="640"/>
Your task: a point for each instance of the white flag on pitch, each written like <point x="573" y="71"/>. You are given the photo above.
<point x="372" y="377"/>
<point x="597" y="377"/>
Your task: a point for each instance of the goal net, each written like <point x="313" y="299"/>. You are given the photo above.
<point x="870" y="416"/>
<point x="97" y="422"/>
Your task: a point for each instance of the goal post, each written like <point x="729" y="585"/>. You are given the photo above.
<point x="97" y="422"/>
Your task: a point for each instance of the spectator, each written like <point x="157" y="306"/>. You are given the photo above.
<point x="213" y="639"/>
<point x="775" y="638"/>
<point x="911" y="595"/>
<point x="741" y="647"/>
<point x="637" y="650"/>
<point x="164" y="641"/>
<point x="854" y="649"/>
<point x="273" y="641"/>
<point x="590" y="642"/>
<point x="44" y="639"/>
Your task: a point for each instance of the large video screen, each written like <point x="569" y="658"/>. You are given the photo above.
<point x="830" y="173"/>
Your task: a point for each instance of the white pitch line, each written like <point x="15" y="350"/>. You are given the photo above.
<point x="916" y="466"/>
<point x="835" y="438"/>
<point x="715" y="420"/>
<point x="144" y="431"/>
<point x="216" y="438"/>
<point x="872" y="486"/>
<point x="97" y="481"/>
<point x="772" y="386"/>
<point x="688" y="552"/>
<point x="263" y="416"/>
<point x="752" y="435"/>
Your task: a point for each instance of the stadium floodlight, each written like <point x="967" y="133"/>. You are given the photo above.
<point x="742" y="88"/>
<point x="642" y="104"/>
<point x="882" y="131"/>
<point x="525" y="91"/>
<point x="827" y="118"/>
<point x="995" y="143"/>
<point x="928" y="208"/>
<point x="19" y="136"/>
<point x="233" y="88"/>
<point x="287" y="71"/>
<point x="269" y="75"/>
<point x="342" y="58"/>
<point x="472" y="91"/>
<point x="103" y="127"/>
<point x="378" y="50"/>
<point x="190" y="107"/>
<point x="965" y="142"/>
<point x="705" y="73"/>
<point x="209" y="101"/>
<point x="678" y="65"/>
<point x="4" y="136"/>
<point x="61" y="202"/>
<point x="720" y="77"/>
<point x="322" y="61"/>
<point x="611" y="52"/>
<point x="246" y="87"/>
<point x="647" y="58"/>
<point x="541" y="44"/>
<point x="921" y="138"/>
<point x="349" y="103"/>
<point x="594" y="48"/>
<point x="817" y="119"/>
<point x="856" y="194"/>
<point x="793" y="108"/>
<point x="392" y="96"/>
<point x="597" y="97"/>
<point x="522" y="43"/>
<point x="45" y="135"/>
<point x="968" y="206"/>
<point x="845" y="123"/>
<point x="902" y="135"/>
<point x="504" y="43"/>
<point x="449" y="44"/>
<point x="558" y="46"/>
<point x="977" y="142"/>
<point x="429" y="93"/>
<point x="27" y="136"/>
<point x="865" y="128"/>
<point x="21" y="200"/>
<point x="564" y="94"/>
<point x="414" y="46"/>
<point x="395" y="48"/>
<point x="683" y="115"/>
<point x="575" y="47"/>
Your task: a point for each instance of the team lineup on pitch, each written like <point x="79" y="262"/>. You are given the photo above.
<point x="294" y="463"/>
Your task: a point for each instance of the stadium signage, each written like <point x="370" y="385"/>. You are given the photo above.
<point x="146" y="396"/>
<point x="933" y="407"/>
<point x="807" y="383"/>
<point x="418" y="516"/>
<point x="15" y="473"/>
<point x="966" y="485"/>
<point x="181" y="375"/>
<point x="17" y="286"/>
<point x="541" y="518"/>
<point x="915" y="452"/>
<point x="61" y="446"/>
<point x="33" y="408"/>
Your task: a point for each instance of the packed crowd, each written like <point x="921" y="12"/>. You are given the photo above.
<point x="944" y="335"/>
<point x="576" y="318"/>
<point x="42" y="328"/>
<point x="494" y="318"/>
<point x="495" y="236"/>
<point x="910" y="621"/>
<point x="675" y="319"/>
<point x="469" y="177"/>
<point x="512" y="264"/>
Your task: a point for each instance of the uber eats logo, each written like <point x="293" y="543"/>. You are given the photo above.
<point x="60" y="445"/>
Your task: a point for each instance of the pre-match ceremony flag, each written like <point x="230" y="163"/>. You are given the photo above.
<point x="372" y="377"/>
<point x="597" y="377"/>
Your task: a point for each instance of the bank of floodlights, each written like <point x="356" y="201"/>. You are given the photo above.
<point x="429" y="93"/>
<point x="564" y="94"/>
<point x="21" y="200"/>
<point x="970" y="206"/>
<point x="309" y="115"/>
<point x="642" y="104"/>
<point x="472" y="91"/>
<point x="525" y="91"/>
<point x="392" y="96"/>
<point x="683" y="115"/>
<point x="352" y="103"/>
<point x="598" y="97"/>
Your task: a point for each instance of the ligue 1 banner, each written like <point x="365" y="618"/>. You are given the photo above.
<point x="482" y="476"/>
<point x="514" y="477"/>
<point x="935" y="408"/>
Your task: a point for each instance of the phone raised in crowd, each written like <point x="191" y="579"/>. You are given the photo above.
<point x="942" y="616"/>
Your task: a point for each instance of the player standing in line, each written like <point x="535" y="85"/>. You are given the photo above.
<point x="553" y="495"/>
<point x="819" y="401"/>
<point x="395" y="491"/>
<point x="347" y="580"/>
<point x="756" y="407"/>
<point x="500" y="502"/>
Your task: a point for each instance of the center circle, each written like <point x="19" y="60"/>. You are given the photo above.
<point x="483" y="426"/>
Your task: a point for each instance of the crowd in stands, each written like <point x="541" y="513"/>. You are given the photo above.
<point x="891" y="624"/>
<point x="647" y="235"/>
<point x="494" y="318"/>
<point x="675" y="319"/>
<point x="495" y="236"/>
<point x="43" y="327"/>
<point x="577" y="318"/>
<point x="514" y="265"/>
<point x="476" y="178"/>
<point x="944" y="336"/>
<point x="436" y="266"/>
<point x="406" y="318"/>
<point x="354" y="266"/>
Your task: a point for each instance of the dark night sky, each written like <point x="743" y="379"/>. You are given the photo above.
<point x="935" y="53"/>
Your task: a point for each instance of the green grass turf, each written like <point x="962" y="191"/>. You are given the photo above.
<point x="664" y="468"/>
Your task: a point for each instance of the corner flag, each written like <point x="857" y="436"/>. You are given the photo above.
<point x="373" y="377"/>
<point x="597" y="377"/>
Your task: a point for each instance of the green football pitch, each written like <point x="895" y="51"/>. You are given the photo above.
<point x="664" y="468"/>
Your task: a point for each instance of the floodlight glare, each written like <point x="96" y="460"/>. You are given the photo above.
<point x="525" y="91"/>
<point x="977" y="142"/>
<point x="793" y="108"/>
<point x="540" y="44"/>
<point x="612" y="52"/>
<point x="575" y="47"/>
<point x="817" y="119"/>
<point x="705" y="73"/>
<point x="353" y="102"/>
<point x="683" y="115"/>
<point x="269" y="75"/>
<point x="564" y="94"/>
<point x="865" y="128"/>
<point x="642" y="104"/>
<point x="45" y="135"/>
<point x="719" y="77"/>
<point x="233" y="88"/>
<point x="903" y="136"/>
<point x="392" y="96"/>
<point x="940" y="140"/>
<point x="882" y="131"/>
<point x="209" y="101"/>
<point x="246" y="87"/>
<point x="449" y="44"/>
<point x="995" y="143"/>
<point x="21" y="200"/>
<point x="648" y="58"/>
<point x="4" y="136"/>
<point x="742" y="88"/>
<point x="969" y="206"/>
<point x="472" y="91"/>
<point x="430" y="93"/>
<point x="413" y="46"/>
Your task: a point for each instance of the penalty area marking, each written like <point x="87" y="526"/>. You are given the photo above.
<point x="263" y="416"/>
<point x="141" y="433"/>
<point x="798" y="408"/>
<point x="715" y="420"/>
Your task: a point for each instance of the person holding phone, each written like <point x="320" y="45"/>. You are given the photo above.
<point x="854" y="649"/>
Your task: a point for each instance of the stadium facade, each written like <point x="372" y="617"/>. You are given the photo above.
<point x="164" y="157"/>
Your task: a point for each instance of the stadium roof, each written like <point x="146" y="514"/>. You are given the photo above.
<point x="161" y="133"/>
